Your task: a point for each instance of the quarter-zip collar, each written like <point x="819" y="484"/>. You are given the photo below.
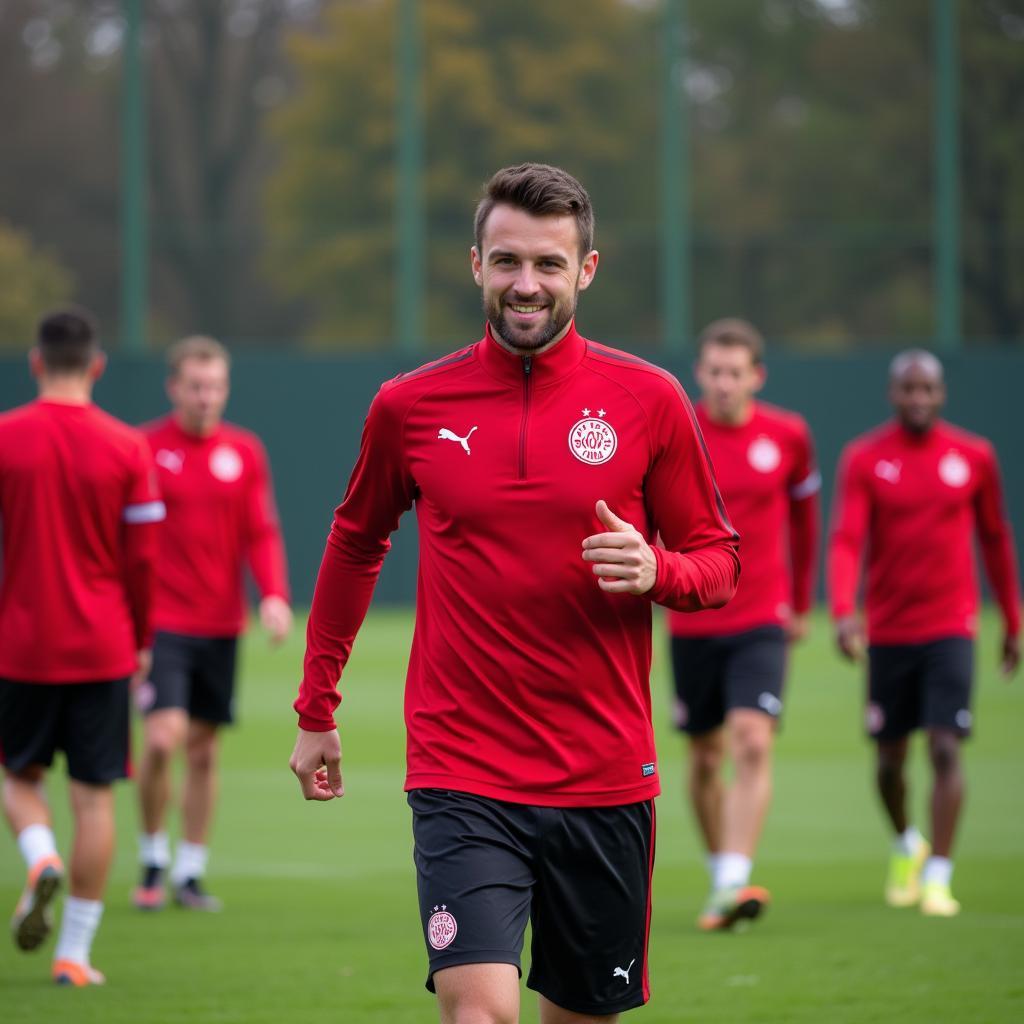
<point x="547" y="368"/>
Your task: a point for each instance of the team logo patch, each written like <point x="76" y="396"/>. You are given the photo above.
<point x="874" y="719"/>
<point x="441" y="928"/>
<point x="769" y="703"/>
<point x="764" y="455"/>
<point x="225" y="463"/>
<point x="592" y="439"/>
<point x="963" y="719"/>
<point x="646" y="770"/>
<point x="954" y="470"/>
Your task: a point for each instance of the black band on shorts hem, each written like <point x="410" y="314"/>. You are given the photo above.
<point x="628" y="1002"/>
<point x="471" y="956"/>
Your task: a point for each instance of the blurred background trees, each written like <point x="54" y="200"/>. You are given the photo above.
<point x="272" y="161"/>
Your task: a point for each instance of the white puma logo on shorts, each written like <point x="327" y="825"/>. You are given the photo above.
<point x="619" y="972"/>
<point x="444" y="434"/>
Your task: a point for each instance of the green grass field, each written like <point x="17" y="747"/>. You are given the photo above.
<point x="321" y="922"/>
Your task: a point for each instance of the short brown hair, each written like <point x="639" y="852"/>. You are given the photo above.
<point x="542" y="190"/>
<point x="733" y="332"/>
<point x="197" y="346"/>
<point x="66" y="339"/>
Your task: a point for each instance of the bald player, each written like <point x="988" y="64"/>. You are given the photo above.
<point x="910" y="496"/>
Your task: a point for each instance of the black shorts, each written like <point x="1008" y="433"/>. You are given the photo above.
<point x="716" y="674"/>
<point x="581" y="875"/>
<point x="195" y="673"/>
<point x="90" y="722"/>
<point x="914" y="686"/>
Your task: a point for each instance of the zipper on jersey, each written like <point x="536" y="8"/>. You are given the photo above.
<point x="527" y="369"/>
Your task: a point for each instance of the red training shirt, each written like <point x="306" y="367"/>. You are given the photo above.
<point x="915" y="501"/>
<point x="220" y="515"/>
<point x="78" y="508"/>
<point x="770" y="482"/>
<point x="526" y="681"/>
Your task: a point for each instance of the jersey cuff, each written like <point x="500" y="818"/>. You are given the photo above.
<point x="315" y="724"/>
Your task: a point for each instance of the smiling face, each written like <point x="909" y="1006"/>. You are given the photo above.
<point x="530" y="272"/>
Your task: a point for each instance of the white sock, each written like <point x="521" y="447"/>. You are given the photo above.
<point x="937" y="869"/>
<point x="154" y="849"/>
<point x="907" y="842"/>
<point x="711" y="862"/>
<point x="77" y="928"/>
<point x="35" y="842"/>
<point x="733" y="869"/>
<point x="190" y="862"/>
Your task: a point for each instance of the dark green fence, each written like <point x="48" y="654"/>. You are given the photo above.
<point x="310" y="411"/>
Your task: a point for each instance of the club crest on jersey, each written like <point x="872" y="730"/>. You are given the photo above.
<point x="225" y="463"/>
<point x="764" y="454"/>
<point x="593" y="439"/>
<point x="954" y="469"/>
<point x="441" y="928"/>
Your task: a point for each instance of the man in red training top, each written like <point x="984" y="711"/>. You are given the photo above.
<point x="542" y="466"/>
<point x="78" y="510"/>
<point x="729" y="663"/>
<point x="220" y="517"/>
<point x="913" y="493"/>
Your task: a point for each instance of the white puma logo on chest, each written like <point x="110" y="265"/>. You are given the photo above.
<point x="444" y="434"/>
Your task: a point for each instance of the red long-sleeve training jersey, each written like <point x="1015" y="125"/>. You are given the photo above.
<point x="220" y="516"/>
<point x="770" y="482"/>
<point x="78" y="509"/>
<point x="526" y="681"/>
<point x="916" y="500"/>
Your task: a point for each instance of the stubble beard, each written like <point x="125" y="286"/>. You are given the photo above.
<point x="558" y="319"/>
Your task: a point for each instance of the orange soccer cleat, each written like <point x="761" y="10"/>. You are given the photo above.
<point x="725" y="907"/>
<point x="71" y="972"/>
<point x="33" y="916"/>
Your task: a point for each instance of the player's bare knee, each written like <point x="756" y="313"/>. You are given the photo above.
<point x="944" y="752"/>
<point x="201" y="752"/>
<point x="707" y="755"/>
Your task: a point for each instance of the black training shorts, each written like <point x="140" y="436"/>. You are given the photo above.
<point x="915" y="686"/>
<point x="716" y="674"/>
<point x="581" y="875"/>
<point x="195" y="673"/>
<point x="90" y="722"/>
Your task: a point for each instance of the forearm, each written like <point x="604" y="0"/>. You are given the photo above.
<point x="344" y="588"/>
<point x="691" y="581"/>
<point x="804" y="532"/>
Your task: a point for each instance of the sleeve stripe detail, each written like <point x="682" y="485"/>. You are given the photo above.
<point x="147" y="512"/>
<point x="807" y="487"/>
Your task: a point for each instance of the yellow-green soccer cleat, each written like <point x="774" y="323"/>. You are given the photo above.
<point x="903" y="885"/>
<point x="937" y="900"/>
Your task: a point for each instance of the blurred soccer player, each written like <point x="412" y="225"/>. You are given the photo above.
<point x="542" y="466"/>
<point x="729" y="663"/>
<point x="220" y="517"/>
<point x="78" y="504"/>
<point x="913" y="493"/>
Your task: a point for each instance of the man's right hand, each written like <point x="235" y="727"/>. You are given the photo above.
<point x="850" y="637"/>
<point x="316" y="761"/>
